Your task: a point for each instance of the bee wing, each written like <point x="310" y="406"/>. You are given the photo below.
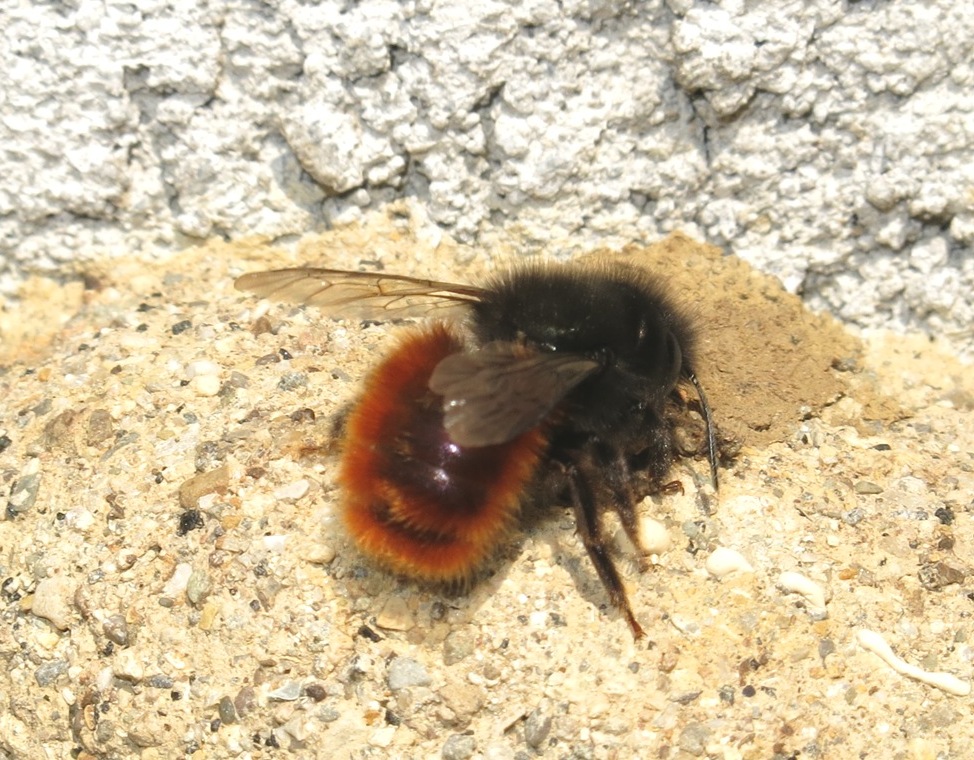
<point x="493" y="395"/>
<point x="362" y="295"/>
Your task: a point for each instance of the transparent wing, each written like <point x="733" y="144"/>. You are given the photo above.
<point x="361" y="295"/>
<point x="493" y="395"/>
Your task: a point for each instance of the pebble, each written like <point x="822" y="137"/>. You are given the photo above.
<point x="227" y="712"/>
<point x="382" y="737"/>
<point x="395" y="615"/>
<point x="694" y="738"/>
<point x="198" y="586"/>
<point x="405" y="672"/>
<point x="464" y="699"/>
<point x="99" y="427"/>
<point x="205" y="385"/>
<point x="53" y="600"/>
<point x="176" y="585"/>
<point x="867" y="487"/>
<point x="937" y="575"/>
<point x="538" y="724"/>
<point x="202" y="367"/>
<point x="292" y="491"/>
<point x="116" y="629"/>
<point x="24" y="492"/>
<point x="286" y="692"/>
<point x="459" y="747"/>
<point x="128" y="666"/>
<point x="458" y="646"/>
<point x="49" y="672"/>
<point x="79" y="519"/>
<point x="319" y="554"/>
<point x="654" y="536"/>
<point x="192" y="489"/>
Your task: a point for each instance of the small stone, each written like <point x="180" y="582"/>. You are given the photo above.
<point x="286" y="692"/>
<point x="654" y="536"/>
<point x="395" y="615"/>
<point x="198" y="586"/>
<point x="382" y="737"/>
<point x="292" y="491"/>
<point x="694" y="739"/>
<point x="246" y="701"/>
<point x="458" y="646"/>
<point x="459" y="747"/>
<point x="116" y="630"/>
<point x="99" y="427"/>
<point x="49" y="672"/>
<point x="202" y="367"/>
<point x="160" y="681"/>
<point x="176" y="585"/>
<point x="214" y="481"/>
<point x="316" y="691"/>
<point x="867" y="487"/>
<point x="936" y="575"/>
<point x="128" y="666"/>
<point x="59" y="433"/>
<point x="538" y="724"/>
<point x="465" y="699"/>
<point x="52" y="601"/>
<point x="24" y="492"/>
<point x="292" y="380"/>
<point x="404" y="672"/>
<point x="205" y="385"/>
<point x="208" y="616"/>
<point x="319" y="554"/>
<point x="499" y="752"/>
<point x="227" y="712"/>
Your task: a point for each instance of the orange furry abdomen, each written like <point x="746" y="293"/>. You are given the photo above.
<point x="413" y="500"/>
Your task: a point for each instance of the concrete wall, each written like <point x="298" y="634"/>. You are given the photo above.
<point x="831" y="143"/>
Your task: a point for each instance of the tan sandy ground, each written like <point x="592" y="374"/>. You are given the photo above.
<point x="133" y="627"/>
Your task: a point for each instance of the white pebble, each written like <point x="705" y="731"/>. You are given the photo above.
<point x="205" y="385"/>
<point x="723" y="562"/>
<point x="382" y="737"/>
<point x="79" y="518"/>
<point x="52" y="601"/>
<point x="792" y="582"/>
<point x="274" y="543"/>
<point x="319" y="554"/>
<point x="176" y="585"/>
<point x="875" y="643"/>
<point x="128" y="666"/>
<point x="294" y="490"/>
<point x="201" y="367"/>
<point x="654" y="536"/>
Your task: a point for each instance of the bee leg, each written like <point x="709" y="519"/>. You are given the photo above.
<point x="590" y="529"/>
<point x="618" y="480"/>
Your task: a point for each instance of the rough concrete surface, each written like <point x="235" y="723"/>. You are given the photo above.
<point x="173" y="581"/>
<point x="826" y="142"/>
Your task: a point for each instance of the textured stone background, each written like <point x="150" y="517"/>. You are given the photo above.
<point x="827" y="142"/>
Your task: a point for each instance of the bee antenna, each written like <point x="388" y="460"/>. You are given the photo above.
<point x="709" y="423"/>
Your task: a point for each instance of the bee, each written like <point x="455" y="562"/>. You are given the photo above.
<point x="552" y="385"/>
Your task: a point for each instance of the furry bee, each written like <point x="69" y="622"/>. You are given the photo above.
<point x="552" y="385"/>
